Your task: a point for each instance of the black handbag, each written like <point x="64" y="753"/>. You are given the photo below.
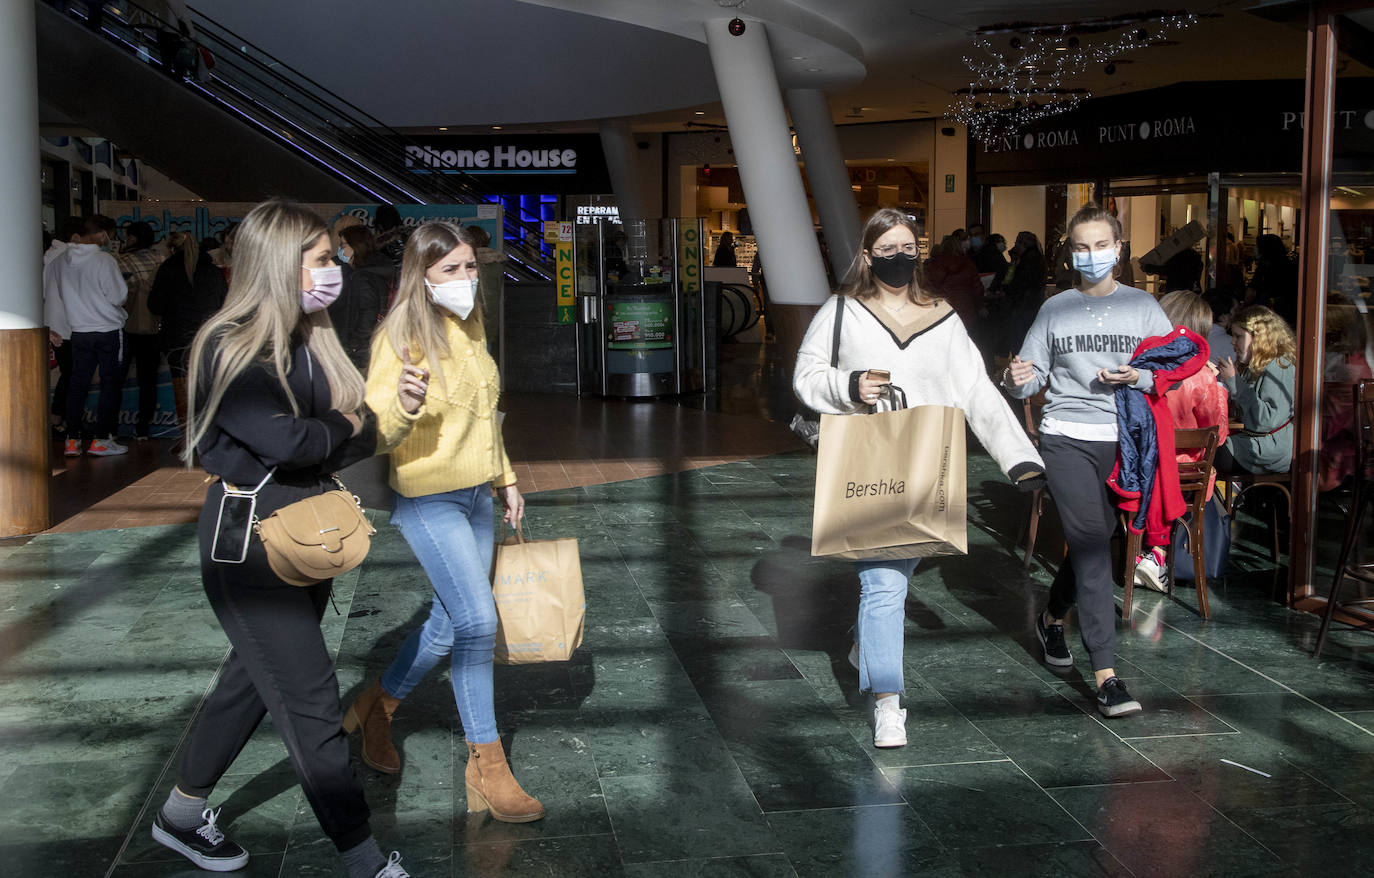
<point x="806" y="423"/>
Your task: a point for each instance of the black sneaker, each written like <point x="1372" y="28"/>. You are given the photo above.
<point x="204" y="845"/>
<point x="1114" y="700"/>
<point x="1051" y="639"/>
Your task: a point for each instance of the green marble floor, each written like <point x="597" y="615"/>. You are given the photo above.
<point x="709" y="725"/>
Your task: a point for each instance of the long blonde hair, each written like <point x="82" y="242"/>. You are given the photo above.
<point x="1272" y="339"/>
<point x="414" y="321"/>
<point x="260" y="314"/>
<point x="190" y="252"/>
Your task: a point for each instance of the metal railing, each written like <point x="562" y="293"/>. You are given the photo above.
<point x="312" y="120"/>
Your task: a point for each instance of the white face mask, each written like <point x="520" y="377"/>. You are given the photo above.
<point x="458" y="296"/>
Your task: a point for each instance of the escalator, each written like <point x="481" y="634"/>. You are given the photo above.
<point x="248" y="128"/>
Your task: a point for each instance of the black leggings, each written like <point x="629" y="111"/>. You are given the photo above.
<point x="1077" y="472"/>
<point x="279" y="665"/>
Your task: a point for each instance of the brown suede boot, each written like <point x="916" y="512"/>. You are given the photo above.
<point x="492" y="787"/>
<point x="372" y="711"/>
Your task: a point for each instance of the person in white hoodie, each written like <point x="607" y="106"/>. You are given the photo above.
<point x="86" y="281"/>
<point x="890" y="323"/>
<point x="55" y="318"/>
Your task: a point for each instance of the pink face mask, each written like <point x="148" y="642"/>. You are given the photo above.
<point x="327" y="283"/>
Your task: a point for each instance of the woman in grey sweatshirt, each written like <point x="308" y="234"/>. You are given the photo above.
<point x="1079" y="346"/>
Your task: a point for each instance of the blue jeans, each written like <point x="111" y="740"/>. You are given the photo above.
<point x="882" y="621"/>
<point x="451" y="535"/>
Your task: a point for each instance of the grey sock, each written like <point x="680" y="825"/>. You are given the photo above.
<point x="183" y="811"/>
<point x="364" y="860"/>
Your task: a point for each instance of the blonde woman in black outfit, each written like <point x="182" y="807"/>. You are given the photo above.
<point x="272" y="391"/>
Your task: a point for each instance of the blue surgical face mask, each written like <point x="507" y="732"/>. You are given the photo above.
<point x="340" y="254"/>
<point x="976" y="242"/>
<point x="1095" y="265"/>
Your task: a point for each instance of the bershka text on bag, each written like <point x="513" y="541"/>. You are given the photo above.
<point x="874" y="489"/>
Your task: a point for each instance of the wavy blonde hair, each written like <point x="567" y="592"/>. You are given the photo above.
<point x="414" y="320"/>
<point x="1272" y="339"/>
<point x="190" y="252"/>
<point x="261" y="312"/>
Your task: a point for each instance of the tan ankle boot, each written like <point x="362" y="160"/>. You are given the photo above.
<point x="492" y="787"/>
<point x="372" y="711"/>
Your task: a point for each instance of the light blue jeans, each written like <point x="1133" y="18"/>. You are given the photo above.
<point x="882" y="622"/>
<point x="451" y="536"/>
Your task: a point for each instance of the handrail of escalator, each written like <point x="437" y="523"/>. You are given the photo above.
<point x="361" y="144"/>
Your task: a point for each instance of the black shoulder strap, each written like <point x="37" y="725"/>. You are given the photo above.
<point x="835" y="340"/>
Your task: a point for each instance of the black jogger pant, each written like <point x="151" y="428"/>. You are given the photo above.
<point x="279" y="665"/>
<point x="1077" y="472"/>
<point x="144" y="354"/>
<point x="92" y="351"/>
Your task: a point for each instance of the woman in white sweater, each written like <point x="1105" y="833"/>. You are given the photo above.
<point x="890" y="323"/>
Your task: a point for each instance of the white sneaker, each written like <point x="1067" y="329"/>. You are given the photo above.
<point x="889" y="726"/>
<point x="393" y="869"/>
<point x="1149" y="570"/>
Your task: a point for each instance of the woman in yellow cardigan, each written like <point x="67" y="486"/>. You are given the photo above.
<point x="442" y="432"/>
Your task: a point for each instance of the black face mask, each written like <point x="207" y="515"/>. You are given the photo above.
<point x="896" y="270"/>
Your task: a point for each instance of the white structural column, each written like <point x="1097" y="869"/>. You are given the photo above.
<point x="23" y="340"/>
<point x="826" y="172"/>
<point x="622" y="161"/>
<point x="21" y="302"/>
<point x="767" y="165"/>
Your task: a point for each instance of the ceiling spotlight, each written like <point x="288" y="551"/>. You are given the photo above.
<point x="736" y="27"/>
<point x="1016" y="42"/>
<point x="1110" y="69"/>
<point x="1073" y="42"/>
<point x="1140" y="34"/>
<point x="443" y="127"/>
<point x="496" y="128"/>
<point x="700" y="112"/>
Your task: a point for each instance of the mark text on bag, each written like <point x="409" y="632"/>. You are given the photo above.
<point x="874" y="489"/>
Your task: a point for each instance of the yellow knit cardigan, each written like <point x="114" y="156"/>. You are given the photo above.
<point x="453" y="440"/>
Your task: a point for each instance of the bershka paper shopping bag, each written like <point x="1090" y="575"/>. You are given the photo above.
<point x="891" y="485"/>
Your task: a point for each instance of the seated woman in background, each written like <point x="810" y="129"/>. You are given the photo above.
<point x="1196" y="403"/>
<point x="1263" y="394"/>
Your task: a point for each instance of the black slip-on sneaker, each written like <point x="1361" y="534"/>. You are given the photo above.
<point x="205" y="845"/>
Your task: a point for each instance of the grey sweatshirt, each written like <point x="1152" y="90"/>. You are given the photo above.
<point x="1074" y="336"/>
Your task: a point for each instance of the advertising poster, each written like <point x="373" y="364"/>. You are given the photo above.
<point x="640" y="325"/>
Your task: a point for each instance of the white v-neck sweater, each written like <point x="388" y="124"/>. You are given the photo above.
<point x="937" y="364"/>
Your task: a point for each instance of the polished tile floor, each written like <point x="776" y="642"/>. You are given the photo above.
<point x="709" y="724"/>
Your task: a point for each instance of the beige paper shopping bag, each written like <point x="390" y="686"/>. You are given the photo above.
<point x="539" y="601"/>
<point x="891" y="485"/>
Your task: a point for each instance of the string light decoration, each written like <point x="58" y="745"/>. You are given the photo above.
<point x="1027" y="78"/>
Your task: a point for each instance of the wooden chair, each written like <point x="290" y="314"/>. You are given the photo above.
<point x="1238" y="485"/>
<point x="1030" y="412"/>
<point x="1193" y="479"/>
<point x="1359" y="505"/>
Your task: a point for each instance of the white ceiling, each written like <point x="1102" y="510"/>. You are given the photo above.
<point x="566" y="63"/>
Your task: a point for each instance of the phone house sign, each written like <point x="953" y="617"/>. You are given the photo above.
<point x="508" y="159"/>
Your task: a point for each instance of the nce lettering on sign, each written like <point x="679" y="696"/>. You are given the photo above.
<point x="874" y="489"/>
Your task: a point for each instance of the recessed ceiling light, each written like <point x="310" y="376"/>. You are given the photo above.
<point x="813" y="70"/>
<point x="496" y="128"/>
<point x="700" y="113"/>
<point x="798" y="57"/>
<point x="443" y="127"/>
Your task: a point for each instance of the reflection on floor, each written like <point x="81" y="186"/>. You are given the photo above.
<point x="710" y="725"/>
<point x="553" y="441"/>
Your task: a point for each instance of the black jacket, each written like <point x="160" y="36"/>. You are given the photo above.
<point x="361" y="303"/>
<point x="255" y="430"/>
<point x="185" y="305"/>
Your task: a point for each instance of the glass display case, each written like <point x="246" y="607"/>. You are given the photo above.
<point x="642" y="326"/>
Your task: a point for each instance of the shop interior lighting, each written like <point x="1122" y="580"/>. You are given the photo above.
<point x="1018" y="81"/>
